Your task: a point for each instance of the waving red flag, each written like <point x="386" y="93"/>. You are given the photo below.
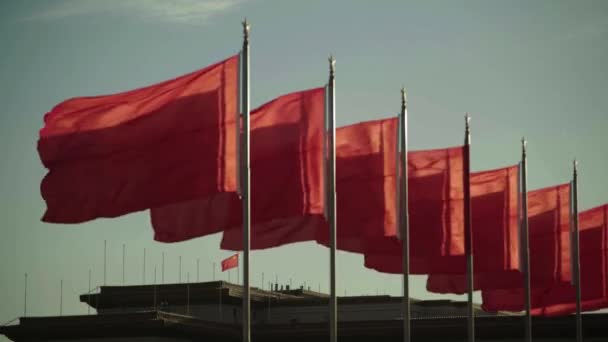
<point x="549" y="227"/>
<point x="286" y="175"/>
<point x="494" y="223"/>
<point x="559" y="298"/>
<point x="494" y="202"/>
<point x="548" y="221"/>
<point x="231" y="262"/>
<point x="366" y="165"/>
<point x="365" y="184"/>
<point x="365" y="169"/>
<point x="112" y="155"/>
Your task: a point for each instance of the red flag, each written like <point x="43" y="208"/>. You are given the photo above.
<point x="548" y="221"/>
<point x="286" y="175"/>
<point x="494" y="222"/>
<point x="559" y="298"/>
<point x="366" y="168"/>
<point x="112" y="155"/>
<point x="231" y="262"/>
<point x="549" y="227"/>
<point x="365" y="184"/>
<point x="494" y="202"/>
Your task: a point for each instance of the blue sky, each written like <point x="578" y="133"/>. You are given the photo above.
<point x="521" y="68"/>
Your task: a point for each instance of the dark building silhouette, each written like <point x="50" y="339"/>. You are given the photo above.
<point x="212" y="311"/>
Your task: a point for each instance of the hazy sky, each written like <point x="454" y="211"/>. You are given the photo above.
<point x="521" y="68"/>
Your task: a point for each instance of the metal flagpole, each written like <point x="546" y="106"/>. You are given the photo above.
<point x="525" y="241"/>
<point x="403" y="214"/>
<point x="61" y="298"/>
<point x="468" y="234"/>
<point x="245" y="179"/>
<point x="162" y="269"/>
<point x="198" y="268"/>
<point x="25" y="296"/>
<point x="154" y="295"/>
<point x="220" y="296"/>
<point x="262" y="280"/>
<point x="89" y="306"/>
<point x="575" y="244"/>
<point x="331" y="203"/>
<point x="105" y="245"/>
<point x="123" y="263"/>
<point x="179" y="276"/>
<point x="144" y="275"/>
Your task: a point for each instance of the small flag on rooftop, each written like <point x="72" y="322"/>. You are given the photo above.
<point x="231" y="262"/>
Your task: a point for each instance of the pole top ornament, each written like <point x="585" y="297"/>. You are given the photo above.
<point x="332" y="65"/>
<point x="246" y="28"/>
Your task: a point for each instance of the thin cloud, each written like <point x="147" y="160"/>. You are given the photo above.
<point x="174" y="11"/>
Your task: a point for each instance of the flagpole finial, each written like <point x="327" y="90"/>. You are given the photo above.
<point x="246" y="28"/>
<point x="524" y="144"/>
<point x="332" y="66"/>
<point x="403" y="97"/>
<point x="575" y="167"/>
<point x="467" y="129"/>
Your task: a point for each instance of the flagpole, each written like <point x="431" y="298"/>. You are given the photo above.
<point x="144" y="272"/>
<point x="123" y="263"/>
<point x="331" y="205"/>
<point x="576" y="263"/>
<point x="245" y="179"/>
<point x="61" y="298"/>
<point x="525" y="241"/>
<point x="162" y="269"/>
<point x="154" y="293"/>
<point x="89" y="306"/>
<point x="467" y="230"/>
<point x="25" y="296"/>
<point x="404" y="215"/>
<point x="105" y="251"/>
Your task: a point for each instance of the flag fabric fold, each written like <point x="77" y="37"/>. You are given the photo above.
<point x="286" y="182"/>
<point x="115" y="154"/>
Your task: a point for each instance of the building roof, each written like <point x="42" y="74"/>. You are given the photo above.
<point x="151" y="296"/>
